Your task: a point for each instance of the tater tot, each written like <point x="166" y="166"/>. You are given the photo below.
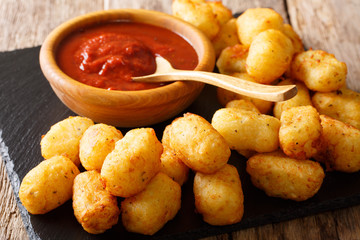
<point x="197" y="143"/>
<point x="221" y="13"/>
<point x="247" y="130"/>
<point x="232" y="59"/>
<point x="219" y="196"/>
<point x="198" y="13"/>
<point x="147" y="212"/>
<point x="226" y="37"/>
<point x="96" y="143"/>
<point x="256" y="20"/>
<point x="319" y="70"/>
<point x="302" y="98"/>
<point x="270" y="55"/>
<point x="343" y="105"/>
<point x="300" y="132"/>
<point x="63" y="138"/>
<point x="294" y="37"/>
<point x="135" y="160"/>
<point x="284" y="177"/>
<point x="341" y="150"/>
<point x="172" y="166"/>
<point x="94" y="208"/>
<point x="224" y="96"/>
<point x="48" y="185"/>
<point x="242" y="104"/>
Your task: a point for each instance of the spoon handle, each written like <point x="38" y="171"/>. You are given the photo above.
<point x="234" y="84"/>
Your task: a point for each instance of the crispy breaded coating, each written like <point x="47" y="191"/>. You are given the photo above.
<point x="302" y="98"/>
<point x="284" y="177"/>
<point x="63" y="138"/>
<point x="247" y="130"/>
<point x="48" y="185"/>
<point x="226" y="37"/>
<point x="341" y="146"/>
<point x="219" y="197"/>
<point x="343" y="105"/>
<point x="300" y="132"/>
<point x="270" y="55"/>
<point x="256" y="20"/>
<point x="96" y="143"/>
<point x="94" y="208"/>
<point x="148" y="211"/>
<point x="172" y="166"/>
<point x="135" y="160"/>
<point x="197" y="143"/>
<point x="319" y="70"/>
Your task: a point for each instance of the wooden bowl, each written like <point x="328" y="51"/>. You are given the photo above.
<point x="125" y="108"/>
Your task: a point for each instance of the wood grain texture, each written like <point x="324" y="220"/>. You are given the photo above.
<point x="325" y="24"/>
<point x="332" y="26"/>
<point x="26" y="23"/>
<point x="11" y="225"/>
<point x="165" y="5"/>
<point x="162" y="6"/>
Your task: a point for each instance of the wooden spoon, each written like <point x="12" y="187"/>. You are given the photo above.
<point x="166" y="73"/>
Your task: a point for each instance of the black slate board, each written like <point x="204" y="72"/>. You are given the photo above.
<point x="28" y="107"/>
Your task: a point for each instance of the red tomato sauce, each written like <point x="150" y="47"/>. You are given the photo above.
<point x="109" y="55"/>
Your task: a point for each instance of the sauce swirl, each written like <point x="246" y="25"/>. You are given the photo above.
<point x="109" y="55"/>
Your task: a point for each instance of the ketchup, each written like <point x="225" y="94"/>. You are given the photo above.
<point x="109" y="55"/>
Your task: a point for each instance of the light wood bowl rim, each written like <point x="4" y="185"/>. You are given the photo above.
<point x="58" y="78"/>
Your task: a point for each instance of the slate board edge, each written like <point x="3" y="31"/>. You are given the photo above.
<point x="15" y="184"/>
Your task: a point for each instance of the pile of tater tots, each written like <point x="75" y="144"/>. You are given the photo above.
<point x="287" y="144"/>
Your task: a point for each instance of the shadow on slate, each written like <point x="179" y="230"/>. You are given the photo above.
<point x="28" y="109"/>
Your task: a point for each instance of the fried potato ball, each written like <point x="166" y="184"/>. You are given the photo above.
<point x="256" y="20"/>
<point x="242" y="104"/>
<point x="197" y="143"/>
<point x="172" y="166"/>
<point x="300" y="132"/>
<point x="232" y="59"/>
<point x="294" y="37"/>
<point x="48" y="185"/>
<point x="319" y="70"/>
<point x="219" y="196"/>
<point x="224" y="96"/>
<point x="199" y="13"/>
<point x="270" y="55"/>
<point x="148" y="211"/>
<point x="284" y="177"/>
<point x="96" y="143"/>
<point x="226" y="37"/>
<point x="341" y="146"/>
<point x="343" y="105"/>
<point x="94" y="208"/>
<point x="63" y="138"/>
<point x="222" y="13"/>
<point x="302" y="98"/>
<point x="247" y="130"/>
<point x="134" y="161"/>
